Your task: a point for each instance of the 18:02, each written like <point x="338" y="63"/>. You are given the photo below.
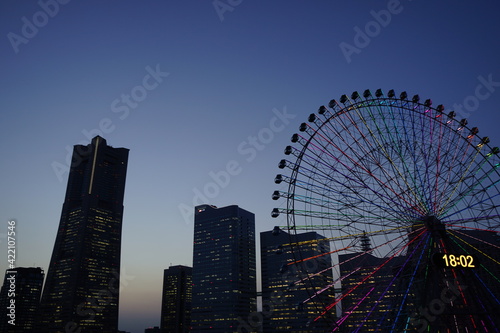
<point x="452" y="260"/>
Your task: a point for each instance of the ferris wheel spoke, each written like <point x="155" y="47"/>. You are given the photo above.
<point x="380" y="137"/>
<point x="461" y="223"/>
<point x="353" y="272"/>
<point x="329" y="206"/>
<point x="411" y="282"/>
<point x="451" y="162"/>
<point x="479" y="240"/>
<point x="423" y="150"/>
<point x="447" y="161"/>
<point x="323" y="140"/>
<point x="391" y="284"/>
<point x="378" y="146"/>
<point x="471" y="247"/>
<point x="436" y="160"/>
<point x="317" y="256"/>
<point x="426" y="127"/>
<point x="473" y="189"/>
<point x="325" y="173"/>
<point x="350" y="311"/>
<point x="363" y="182"/>
<point x="492" y="295"/>
<point x="350" y="203"/>
<point x="424" y="165"/>
<point x="351" y="236"/>
<point x="366" y="145"/>
<point x="486" y="173"/>
<point x="462" y="295"/>
<point x="367" y="277"/>
<point x="348" y="219"/>
<point x="325" y="181"/>
<point x="394" y="131"/>
<point x="349" y="185"/>
<point x="463" y="177"/>
<point x="488" y="214"/>
<point x="411" y="145"/>
<point x="487" y="288"/>
<point x="481" y="223"/>
<point x="441" y="141"/>
<point x="425" y="162"/>
<point x="487" y="269"/>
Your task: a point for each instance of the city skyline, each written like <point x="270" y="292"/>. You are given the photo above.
<point x="213" y="99"/>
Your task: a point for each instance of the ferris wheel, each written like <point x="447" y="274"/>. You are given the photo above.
<point x="405" y="200"/>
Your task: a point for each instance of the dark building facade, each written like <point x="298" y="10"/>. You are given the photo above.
<point x="287" y="306"/>
<point x="176" y="299"/>
<point x="361" y="297"/>
<point x="83" y="280"/>
<point x="224" y="269"/>
<point x="20" y="298"/>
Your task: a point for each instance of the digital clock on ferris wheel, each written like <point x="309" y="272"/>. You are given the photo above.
<point x="450" y="260"/>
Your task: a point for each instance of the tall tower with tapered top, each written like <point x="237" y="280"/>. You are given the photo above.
<point x="81" y="292"/>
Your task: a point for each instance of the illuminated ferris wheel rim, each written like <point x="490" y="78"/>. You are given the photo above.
<point x="354" y="104"/>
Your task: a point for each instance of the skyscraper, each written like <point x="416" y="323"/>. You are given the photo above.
<point x="284" y="306"/>
<point x="176" y="299"/>
<point x="224" y="277"/>
<point x="82" y="285"/>
<point x="20" y="293"/>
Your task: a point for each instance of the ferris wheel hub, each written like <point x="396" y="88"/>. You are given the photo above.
<point x="435" y="226"/>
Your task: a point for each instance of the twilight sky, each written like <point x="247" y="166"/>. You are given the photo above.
<point x="206" y="95"/>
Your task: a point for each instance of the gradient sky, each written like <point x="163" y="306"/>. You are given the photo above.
<point x="242" y="76"/>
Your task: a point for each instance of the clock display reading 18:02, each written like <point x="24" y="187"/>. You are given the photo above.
<point x="448" y="260"/>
